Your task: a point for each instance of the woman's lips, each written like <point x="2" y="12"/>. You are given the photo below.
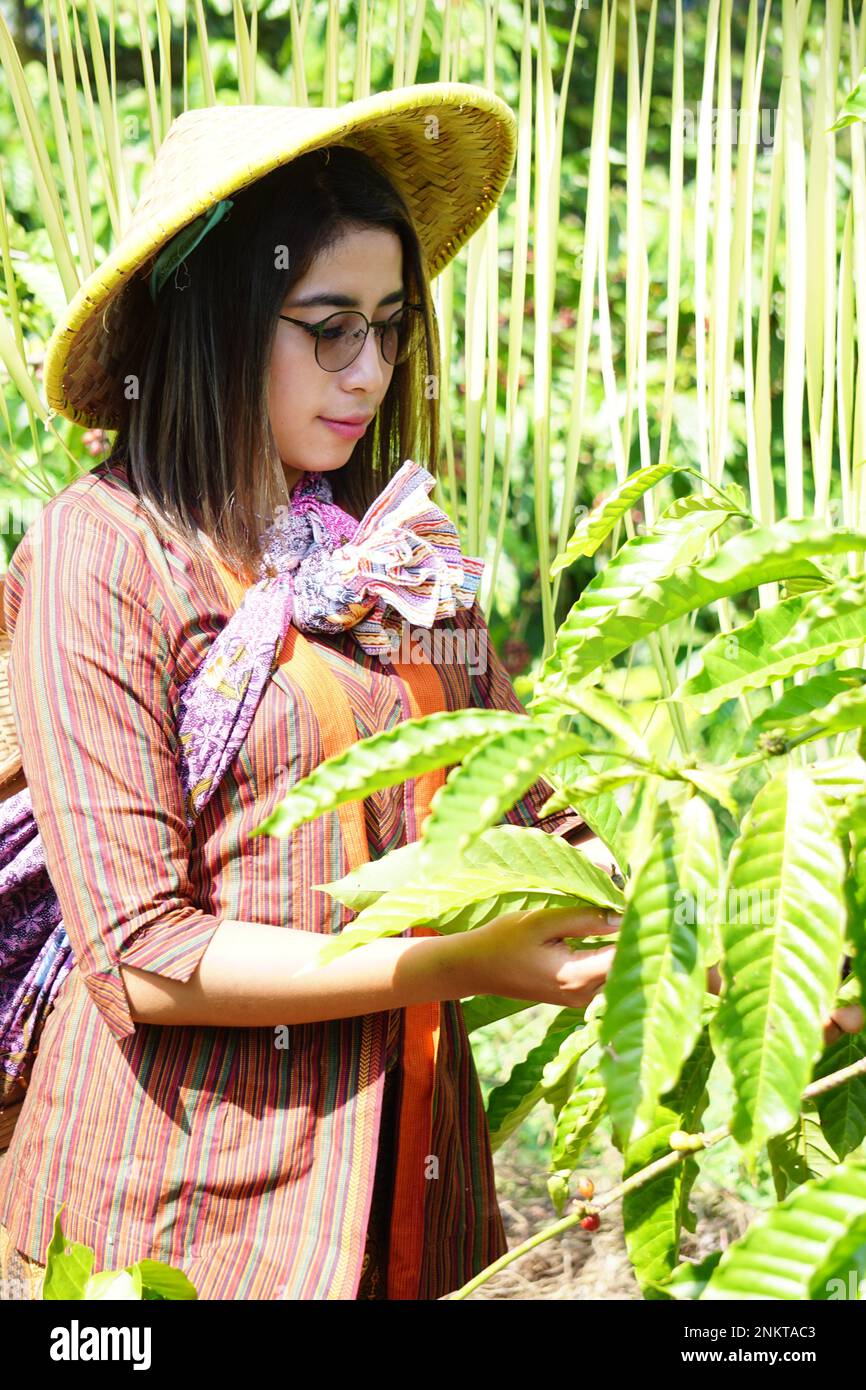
<point x="345" y="430"/>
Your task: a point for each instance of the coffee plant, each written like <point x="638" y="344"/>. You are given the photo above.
<point x="69" y="1276"/>
<point x="740" y="829"/>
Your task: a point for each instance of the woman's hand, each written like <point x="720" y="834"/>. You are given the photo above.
<point x="847" y="1018"/>
<point x="523" y="955"/>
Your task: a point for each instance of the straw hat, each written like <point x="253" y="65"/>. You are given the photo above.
<point x="448" y="147"/>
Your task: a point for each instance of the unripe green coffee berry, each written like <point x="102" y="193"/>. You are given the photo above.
<point x="685" y="1143"/>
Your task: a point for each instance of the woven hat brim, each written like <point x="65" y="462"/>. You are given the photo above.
<point x="449" y="148"/>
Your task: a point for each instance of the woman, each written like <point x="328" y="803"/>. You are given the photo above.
<point x="164" y="1111"/>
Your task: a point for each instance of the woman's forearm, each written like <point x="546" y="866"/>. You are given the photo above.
<point x="253" y="975"/>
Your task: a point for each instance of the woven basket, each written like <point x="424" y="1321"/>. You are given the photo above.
<point x="8" y="1120"/>
<point x="12" y="777"/>
<point x="12" y="780"/>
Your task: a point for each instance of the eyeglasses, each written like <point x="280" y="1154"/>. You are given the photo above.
<point x="340" y="337"/>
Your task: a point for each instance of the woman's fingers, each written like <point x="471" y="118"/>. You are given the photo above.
<point x="848" y="1018"/>
<point x="587" y="972"/>
<point x="560" y="922"/>
<point x="831" y="1032"/>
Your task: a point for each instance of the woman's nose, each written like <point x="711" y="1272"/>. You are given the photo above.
<point x="369" y="368"/>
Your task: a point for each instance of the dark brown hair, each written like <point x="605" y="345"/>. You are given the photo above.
<point x="199" y="437"/>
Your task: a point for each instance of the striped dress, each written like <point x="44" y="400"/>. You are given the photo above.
<point x="250" y="1164"/>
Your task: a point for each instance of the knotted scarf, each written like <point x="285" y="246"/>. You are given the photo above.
<point x="401" y="560"/>
<point x="332" y="574"/>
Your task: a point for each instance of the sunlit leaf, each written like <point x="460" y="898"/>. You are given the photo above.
<point x="788" y="637"/>
<point x="68" y="1266"/>
<point x="597" y="525"/>
<point x="656" y="982"/>
<point x="385" y="759"/>
<point x="655" y="1213"/>
<point x="854" y="105"/>
<point x="505" y="860"/>
<point x="477" y="794"/>
<point x="627" y="602"/>
<point x="807" y="702"/>
<point x="801" y="1248"/>
<point x="782" y="932"/>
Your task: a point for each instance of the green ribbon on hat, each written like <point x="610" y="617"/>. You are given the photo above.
<point x="186" y="240"/>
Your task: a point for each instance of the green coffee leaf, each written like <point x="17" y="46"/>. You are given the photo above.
<point x="395" y="755"/>
<point x="68" y="1266"/>
<point x="843" y="1110"/>
<point x="566" y="1039"/>
<point x="597" y="525"/>
<point x="801" y="1249"/>
<point x="688" y="1280"/>
<point x="628" y="600"/>
<point x="787" y="637"/>
<point x="782" y="932"/>
<point x="657" y="980"/>
<point x="505" y="860"/>
<point x="846" y="711"/>
<point x="482" y="1009"/>
<point x="643" y="559"/>
<point x="732" y="499"/>
<point x="579" y="1116"/>
<point x="854" y="106"/>
<point x="160" y="1280"/>
<point x="600" y="812"/>
<point x="655" y="1214"/>
<point x="808" y="699"/>
<point x="477" y="794"/>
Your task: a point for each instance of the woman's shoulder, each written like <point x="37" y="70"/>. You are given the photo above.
<point x="96" y="518"/>
<point x="104" y="494"/>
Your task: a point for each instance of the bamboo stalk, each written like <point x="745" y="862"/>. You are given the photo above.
<point x="518" y="291"/>
<point x="599" y="173"/>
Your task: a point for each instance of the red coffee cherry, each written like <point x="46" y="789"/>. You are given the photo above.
<point x="591" y="1222"/>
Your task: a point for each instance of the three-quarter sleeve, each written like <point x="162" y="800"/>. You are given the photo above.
<point x="492" y="689"/>
<point x="93" y="699"/>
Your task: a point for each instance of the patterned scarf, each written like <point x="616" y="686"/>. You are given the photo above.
<point x="401" y="560"/>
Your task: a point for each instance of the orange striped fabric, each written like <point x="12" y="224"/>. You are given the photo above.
<point x="421" y="1022"/>
<point x="246" y="1157"/>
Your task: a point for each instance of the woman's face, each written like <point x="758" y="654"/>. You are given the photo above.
<point x="364" y="271"/>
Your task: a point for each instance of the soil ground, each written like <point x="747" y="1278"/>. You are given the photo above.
<point x="592" y="1266"/>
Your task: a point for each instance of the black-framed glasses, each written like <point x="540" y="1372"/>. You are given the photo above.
<point x="341" y="336"/>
